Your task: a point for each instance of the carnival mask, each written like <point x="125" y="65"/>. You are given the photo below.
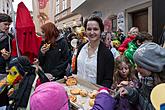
<point x="14" y="76"/>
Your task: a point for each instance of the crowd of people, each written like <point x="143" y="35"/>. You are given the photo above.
<point x="130" y="66"/>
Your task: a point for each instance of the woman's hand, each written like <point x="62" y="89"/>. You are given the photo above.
<point x="123" y="91"/>
<point x="36" y="64"/>
<point x="5" y="54"/>
<point x="10" y="92"/>
<point x="123" y="83"/>
<point x="44" y="49"/>
<point x="50" y="76"/>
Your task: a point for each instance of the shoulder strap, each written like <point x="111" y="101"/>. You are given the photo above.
<point x="32" y="90"/>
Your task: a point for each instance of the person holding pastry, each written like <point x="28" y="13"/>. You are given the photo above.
<point x="54" y="52"/>
<point x="124" y="76"/>
<point x="150" y="61"/>
<point x="5" y="42"/>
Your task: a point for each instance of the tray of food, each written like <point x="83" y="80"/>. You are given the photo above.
<point x="81" y="93"/>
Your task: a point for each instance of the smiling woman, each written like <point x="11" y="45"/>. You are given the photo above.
<point x="95" y="62"/>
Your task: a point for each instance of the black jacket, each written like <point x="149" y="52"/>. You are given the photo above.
<point x="56" y="59"/>
<point x="5" y="42"/>
<point x="105" y="65"/>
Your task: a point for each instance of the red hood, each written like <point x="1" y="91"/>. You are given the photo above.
<point x="24" y="19"/>
<point x="25" y="30"/>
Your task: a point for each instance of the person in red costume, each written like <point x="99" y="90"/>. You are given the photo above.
<point x="131" y="35"/>
<point x="28" y="42"/>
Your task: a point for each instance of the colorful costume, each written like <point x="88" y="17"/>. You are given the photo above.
<point x="21" y="72"/>
<point x="130" y="51"/>
<point x="26" y="33"/>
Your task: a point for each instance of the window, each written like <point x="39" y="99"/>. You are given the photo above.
<point x="57" y="6"/>
<point x="57" y="18"/>
<point x="7" y="8"/>
<point x="64" y="13"/>
<point x="64" y="4"/>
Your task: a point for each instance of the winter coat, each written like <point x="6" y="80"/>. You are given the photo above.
<point x="21" y="95"/>
<point x="141" y="97"/>
<point x="5" y="42"/>
<point x="55" y="60"/>
<point x="4" y="97"/>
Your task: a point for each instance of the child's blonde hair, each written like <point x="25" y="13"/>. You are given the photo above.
<point x="117" y="77"/>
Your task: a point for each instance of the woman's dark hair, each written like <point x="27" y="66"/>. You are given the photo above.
<point x="5" y="18"/>
<point x="51" y="32"/>
<point x="97" y="19"/>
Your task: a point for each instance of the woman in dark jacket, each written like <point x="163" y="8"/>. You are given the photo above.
<point x="53" y="55"/>
<point x="95" y="62"/>
<point x="5" y="52"/>
<point x="5" y="41"/>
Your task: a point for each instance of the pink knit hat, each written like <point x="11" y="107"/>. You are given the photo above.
<point x="49" y="96"/>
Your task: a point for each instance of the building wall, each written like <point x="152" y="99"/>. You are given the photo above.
<point x="69" y="22"/>
<point x="65" y="18"/>
<point x="113" y="7"/>
<point x="5" y="6"/>
<point x="105" y="6"/>
<point x="76" y="3"/>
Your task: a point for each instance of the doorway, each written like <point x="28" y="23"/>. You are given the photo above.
<point x="140" y="20"/>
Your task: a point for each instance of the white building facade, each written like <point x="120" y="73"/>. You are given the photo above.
<point x="5" y="6"/>
<point x="135" y="12"/>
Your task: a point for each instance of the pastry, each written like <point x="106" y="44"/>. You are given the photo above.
<point x="47" y="45"/>
<point x="73" y="98"/>
<point x="75" y="91"/>
<point x="91" y="102"/>
<point x="93" y="94"/>
<point x="71" y="81"/>
<point x="83" y="93"/>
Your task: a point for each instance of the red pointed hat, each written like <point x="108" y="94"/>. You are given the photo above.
<point x="26" y="35"/>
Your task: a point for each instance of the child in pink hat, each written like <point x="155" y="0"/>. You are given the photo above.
<point x="49" y="96"/>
